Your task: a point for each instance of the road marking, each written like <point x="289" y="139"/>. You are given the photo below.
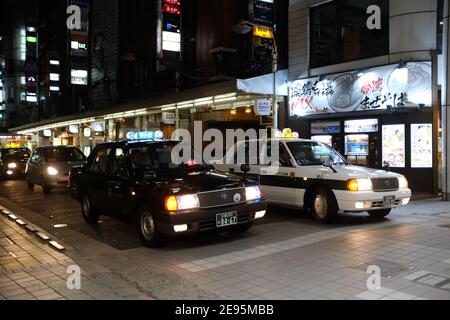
<point x="277" y="247"/>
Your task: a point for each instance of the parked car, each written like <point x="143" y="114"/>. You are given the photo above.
<point x="49" y="167"/>
<point x="313" y="176"/>
<point x="13" y="161"/>
<point x="167" y="197"/>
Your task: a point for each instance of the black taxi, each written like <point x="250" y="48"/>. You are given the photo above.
<point x="147" y="180"/>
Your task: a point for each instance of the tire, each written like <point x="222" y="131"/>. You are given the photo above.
<point x="45" y="188"/>
<point x="89" y="213"/>
<point x="30" y="184"/>
<point x="380" y="213"/>
<point x="243" y="228"/>
<point x="148" y="230"/>
<point x="323" y="205"/>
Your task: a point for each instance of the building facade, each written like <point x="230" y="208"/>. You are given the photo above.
<point x="364" y="78"/>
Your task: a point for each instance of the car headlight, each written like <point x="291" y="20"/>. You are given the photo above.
<point x="359" y="185"/>
<point x="52" y="171"/>
<point x="12" y="165"/>
<point x="252" y="193"/>
<point x="181" y="203"/>
<point x="403" y="183"/>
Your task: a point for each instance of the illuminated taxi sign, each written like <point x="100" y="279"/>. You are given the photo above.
<point x="145" y="135"/>
<point x="286" y="134"/>
<point x="262" y="32"/>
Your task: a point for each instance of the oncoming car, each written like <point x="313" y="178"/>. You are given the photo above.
<point x="141" y="179"/>
<point x="313" y="176"/>
<point x="13" y="161"/>
<point x="49" y="167"/>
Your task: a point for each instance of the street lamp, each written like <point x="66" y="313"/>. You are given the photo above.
<point x="245" y="27"/>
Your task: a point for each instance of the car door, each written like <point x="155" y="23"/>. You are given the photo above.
<point x="34" y="166"/>
<point x="280" y="184"/>
<point x="120" y="184"/>
<point x="95" y="180"/>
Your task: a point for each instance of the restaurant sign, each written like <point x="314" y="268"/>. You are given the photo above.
<point x="380" y="88"/>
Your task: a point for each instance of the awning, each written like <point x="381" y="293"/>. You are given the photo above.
<point x="235" y="93"/>
<point x="264" y="84"/>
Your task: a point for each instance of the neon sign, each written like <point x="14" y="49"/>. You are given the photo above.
<point x="145" y="135"/>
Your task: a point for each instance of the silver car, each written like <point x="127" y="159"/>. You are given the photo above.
<point x="49" y="167"/>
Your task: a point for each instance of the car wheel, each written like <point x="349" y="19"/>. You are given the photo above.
<point x="323" y="205"/>
<point x="148" y="230"/>
<point x="380" y="213"/>
<point x="30" y="184"/>
<point x="45" y="188"/>
<point x="90" y="214"/>
<point x="243" y="228"/>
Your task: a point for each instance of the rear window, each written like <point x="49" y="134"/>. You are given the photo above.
<point x="15" y="154"/>
<point x="63" y="155"/>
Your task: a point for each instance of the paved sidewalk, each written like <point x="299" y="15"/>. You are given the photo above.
<point x="32" y="270"/>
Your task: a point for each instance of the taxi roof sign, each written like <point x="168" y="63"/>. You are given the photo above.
<point x="145" y="135"/>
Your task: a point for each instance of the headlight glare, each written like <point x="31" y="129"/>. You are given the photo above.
<point x="52" y="171"/>
<point x="181" y="203"/>
<point x="359" y="185"/>
<point x="403" y="183"/>
<point x="252" y="193"/>
<point x="12" y="165"/>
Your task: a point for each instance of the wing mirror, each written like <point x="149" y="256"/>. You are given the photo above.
<point x="245" y="168"/>
<point x="329" y="164"/>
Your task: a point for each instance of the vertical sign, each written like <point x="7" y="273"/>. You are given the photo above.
<point x="262" y="13"/>
<point x="169" y="29"/>
<point x="78" y="44"/>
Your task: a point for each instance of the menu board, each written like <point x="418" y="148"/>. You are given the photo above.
<point x="357" y="145"/>
<point x="422" y="145"/>
<point x="394" y="147"/>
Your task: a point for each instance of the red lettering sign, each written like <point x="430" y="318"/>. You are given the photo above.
<point x="173" y="2"/>
<point x="168" y="8"/>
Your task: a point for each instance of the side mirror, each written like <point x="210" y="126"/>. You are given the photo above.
<point x="329" y="164"/>
<point x="386" y="165"/>
<point x="245" y="168"/>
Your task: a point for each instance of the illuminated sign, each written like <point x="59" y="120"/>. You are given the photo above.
<point x="172" y="9"/>
<point x="87" y="132"/>
<point x="263" y="107"/>
<point x="422" y="145"/>
<point x="394" y="151"/>
<point x="361" y="126"/>
<point x="73" y="128"/>
<point x="263" y="32"/>
<point x="47" y="133"/>
<point x="145" y="135"/>
<point x="173" y="2"/>
<point x="98" y="127"/>
<point x="79" y="77"/>
<point x="325" y="127"/>
<point x="380" y="88"/>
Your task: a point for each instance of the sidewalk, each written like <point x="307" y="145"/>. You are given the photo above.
<point x="32" y="270"/>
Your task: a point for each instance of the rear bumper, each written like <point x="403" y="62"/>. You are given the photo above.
<point x="370" y="201"/>
<point x="61" y="182"/>
<point x="205" y="220"/>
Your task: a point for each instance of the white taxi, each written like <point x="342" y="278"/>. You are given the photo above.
<point x="313" y="176"/>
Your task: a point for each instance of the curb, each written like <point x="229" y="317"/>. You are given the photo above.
<point x="43" y="237"/>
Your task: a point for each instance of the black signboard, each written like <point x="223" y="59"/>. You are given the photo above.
<point x="263" y="12"/>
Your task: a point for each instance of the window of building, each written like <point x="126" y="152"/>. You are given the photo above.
<point x="339" y="32"/>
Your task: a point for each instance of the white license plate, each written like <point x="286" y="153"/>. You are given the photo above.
<point x="226" y="219"/>
<point x="389" y="201"/>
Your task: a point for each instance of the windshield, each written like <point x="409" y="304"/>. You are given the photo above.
<point x="15" y="154"/>
<point x="63" y="155"/>
<point x="165" y="156"/>
<point x="314" y="153"/>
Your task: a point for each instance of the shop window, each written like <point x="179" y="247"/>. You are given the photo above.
<point x="339" y="32"/>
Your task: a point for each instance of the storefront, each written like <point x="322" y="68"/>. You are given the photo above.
<point x="379" y="117"/>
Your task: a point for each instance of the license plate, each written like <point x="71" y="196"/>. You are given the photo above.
<point x="226" y="219"/>
<point x="389" y="201"/>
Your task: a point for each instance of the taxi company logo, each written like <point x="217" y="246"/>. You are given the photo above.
<point x="237" y="198"/>
<point x="224" y="196"/>
<point x="387" y="183"/>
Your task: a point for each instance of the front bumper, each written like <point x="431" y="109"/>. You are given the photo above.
<point x="370" y="201"/>
<point x="204" y="220"/>
<point x="60" y="181"/>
